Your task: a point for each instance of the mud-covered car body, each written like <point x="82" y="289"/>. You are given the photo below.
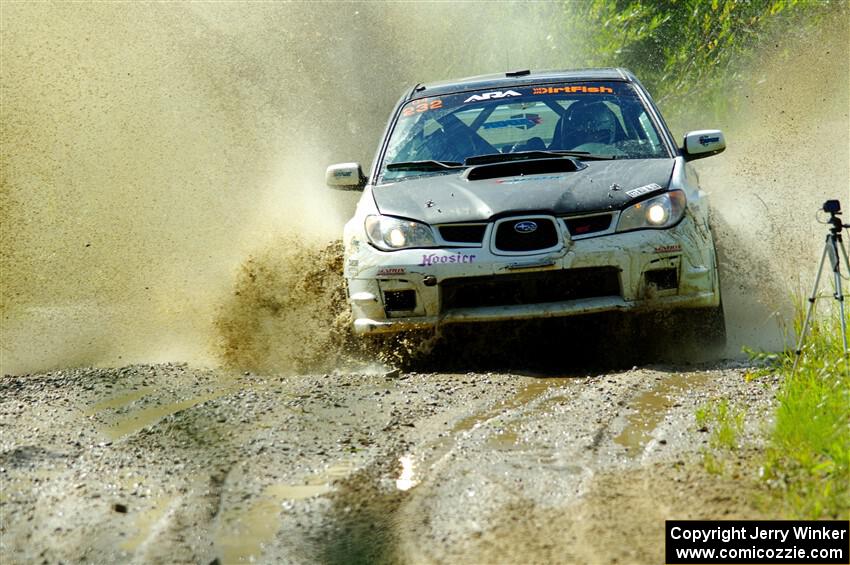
<point x="493" y="198"/>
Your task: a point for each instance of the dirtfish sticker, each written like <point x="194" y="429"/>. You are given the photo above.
<point x="492" y="95"/>
<point x="434" y="259"/>
<point x="708" y="139"/>
<point x="641" y="190"/>
<point x="570" y="89"/>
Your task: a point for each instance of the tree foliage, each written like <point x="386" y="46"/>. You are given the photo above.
<point x="682" y="48"/>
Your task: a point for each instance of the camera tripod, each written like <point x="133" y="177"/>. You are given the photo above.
<point x="831" y="249"/>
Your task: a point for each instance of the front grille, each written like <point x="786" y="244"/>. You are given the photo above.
<point x="588" y="224"/>
<point x="530" y="288"/>
<point x="509" y="238"/>
<point x="468" y="233"/>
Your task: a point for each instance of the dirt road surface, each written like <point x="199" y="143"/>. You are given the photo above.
<point x="170" y="463"/>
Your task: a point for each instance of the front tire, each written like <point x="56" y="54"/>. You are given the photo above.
<point x="700" y="331"/>
<point x="712" y="327"/>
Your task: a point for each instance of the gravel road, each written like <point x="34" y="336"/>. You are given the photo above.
<point x="172" y="463"/>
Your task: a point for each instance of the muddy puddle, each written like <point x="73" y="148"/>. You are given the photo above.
<point x="126" y="412"/>
<point x="507" y="434"/>
<point x="358" y="528"/>
<point x="364" y="524"/>
<point x="133" y="422"/>
<point x="650" y="408"/>
<point x="528" y="394"/>
<point x="118" y="400"/>
<point x="244" y="532"/>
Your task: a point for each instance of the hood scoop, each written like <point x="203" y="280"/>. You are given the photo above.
<point x="524" y="167"/>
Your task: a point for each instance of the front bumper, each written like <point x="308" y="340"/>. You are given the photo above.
<point x="645" y="270"/>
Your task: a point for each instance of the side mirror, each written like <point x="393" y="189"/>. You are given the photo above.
<point x="703" y="143"/>
<point x="345" y="176"/>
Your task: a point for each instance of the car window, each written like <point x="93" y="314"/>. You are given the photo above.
<point x="648" y="131"/>
<point x="617" y="111"/>
<point x="603" y="118"/>
<point x="510" y="125"/>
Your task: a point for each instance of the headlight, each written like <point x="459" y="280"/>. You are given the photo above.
<point x="659" y="212"/>
<point x="390" y="234"/>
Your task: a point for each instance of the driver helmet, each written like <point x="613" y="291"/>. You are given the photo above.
<point x="594" y="123"/>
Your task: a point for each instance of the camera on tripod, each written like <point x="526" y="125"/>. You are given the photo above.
<point x="834" y="251"/>
<point x="832" y="207"/>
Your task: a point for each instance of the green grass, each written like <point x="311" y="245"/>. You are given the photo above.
<point x="806" y="463"/>
<point x="726" y="423"/>
<point x="808" y="456"/>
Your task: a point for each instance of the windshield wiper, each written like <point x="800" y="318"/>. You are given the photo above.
<point x="540" y="154"/>
<point x="424" y="166"/>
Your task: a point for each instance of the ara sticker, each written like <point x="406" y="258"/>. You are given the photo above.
<point x="420" y="107"/>
<point x="668" y="248"/>
<point x="389" y="271"/>
<point x="492" y="95"/>
<point x="569" y="89"/>
<point x="646" y="189"/>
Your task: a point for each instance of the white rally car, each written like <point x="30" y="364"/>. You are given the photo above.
<point x="529" y="195"/>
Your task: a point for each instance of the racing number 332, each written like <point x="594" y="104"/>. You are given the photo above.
<point x="423" y="106"/>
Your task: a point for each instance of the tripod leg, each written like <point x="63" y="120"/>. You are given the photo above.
<point x="811" y="306"/>
<point x="844" y="252"/>
<point x="839" y="294"/>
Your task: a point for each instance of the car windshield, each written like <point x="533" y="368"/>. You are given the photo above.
<point x="589" y="120"/>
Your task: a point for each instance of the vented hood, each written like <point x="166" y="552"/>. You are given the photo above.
<point x="599" y="186"/>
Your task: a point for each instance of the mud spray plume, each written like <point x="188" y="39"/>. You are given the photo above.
<point x="789" y="151"/>
<point x="162" y="168"/>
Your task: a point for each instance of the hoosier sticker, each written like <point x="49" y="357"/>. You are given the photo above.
<point x="434" y="259"/>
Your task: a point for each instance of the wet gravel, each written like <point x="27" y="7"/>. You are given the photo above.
<point x="173" y="463"/>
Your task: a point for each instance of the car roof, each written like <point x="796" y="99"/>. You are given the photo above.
<point x="518" y="78"/>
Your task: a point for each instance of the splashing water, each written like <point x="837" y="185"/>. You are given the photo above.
<point x="147" y="150"/>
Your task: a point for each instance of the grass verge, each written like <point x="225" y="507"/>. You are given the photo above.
<point x="808" y="455"/>
<point x="726" y="424"/>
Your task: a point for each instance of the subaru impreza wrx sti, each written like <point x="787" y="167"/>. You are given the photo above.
<point x="529" y="195"/>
